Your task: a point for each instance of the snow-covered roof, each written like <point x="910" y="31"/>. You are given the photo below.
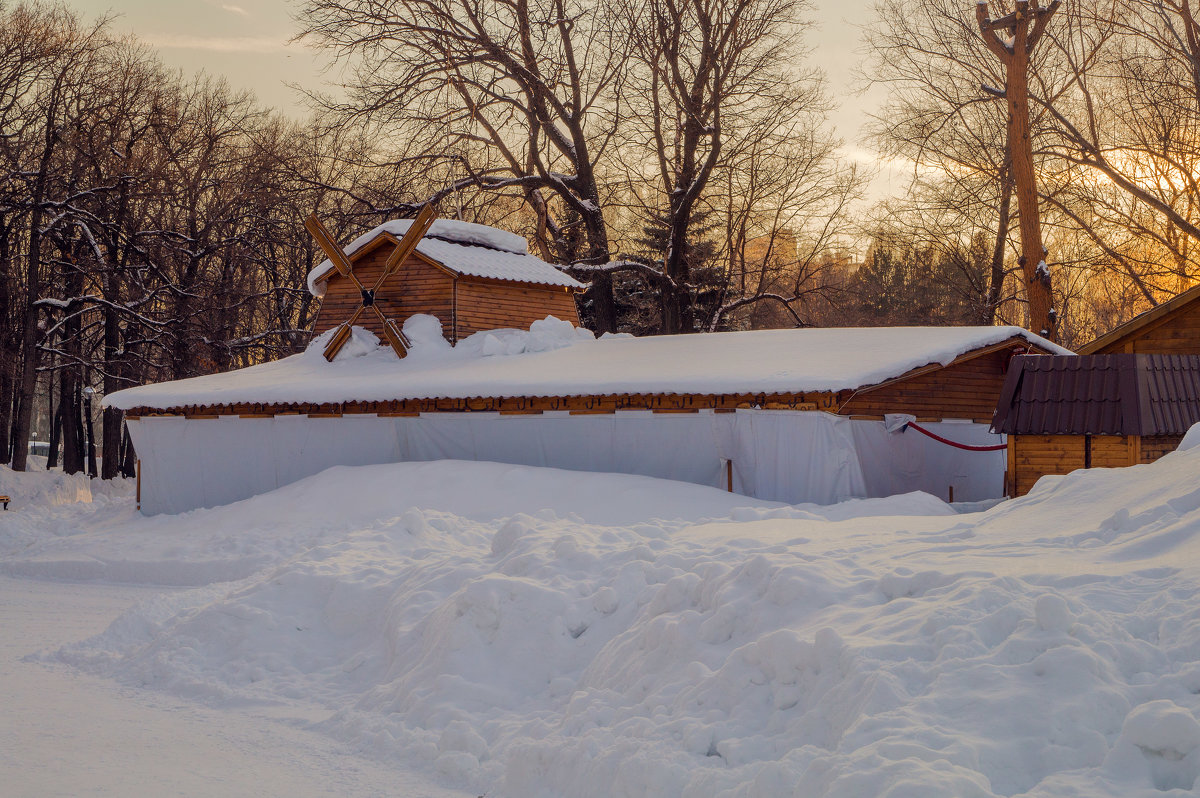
<point x="555" y="359"/>
<point x="474" y="250"/>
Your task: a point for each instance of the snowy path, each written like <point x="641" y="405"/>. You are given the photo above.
<point x="531" y="633"/>
<point x="67" y="733"/>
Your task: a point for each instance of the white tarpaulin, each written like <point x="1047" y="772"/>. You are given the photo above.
<point x="789" y="456"/>
<point x="901" y="462"/>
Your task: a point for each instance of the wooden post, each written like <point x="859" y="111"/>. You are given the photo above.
<point x="138" y="468"/>
<point x="1015" y="57"/>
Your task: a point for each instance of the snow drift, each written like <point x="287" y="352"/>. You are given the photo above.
<point x="528" y="632"/>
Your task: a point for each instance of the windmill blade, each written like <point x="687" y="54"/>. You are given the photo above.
<point x="328" y="245"/>
<point x="408" y="243"/>
<point x="340" y="337"/>
<point x="395" y="337"/>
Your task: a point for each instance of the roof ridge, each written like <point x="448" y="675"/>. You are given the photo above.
<point x="461" y="243"/>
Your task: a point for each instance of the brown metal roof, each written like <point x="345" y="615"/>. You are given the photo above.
<point x="1120" y="394"/>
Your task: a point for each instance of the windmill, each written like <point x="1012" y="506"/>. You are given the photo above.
<point x="345" y="268"/>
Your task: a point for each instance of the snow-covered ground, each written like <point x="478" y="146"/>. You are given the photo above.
<point x="455" y="628"/>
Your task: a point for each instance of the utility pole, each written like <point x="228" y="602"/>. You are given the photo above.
<point x="1026" y="25"/>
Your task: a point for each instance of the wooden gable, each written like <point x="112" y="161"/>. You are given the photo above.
<point x="969" y="387"/>
<point x="464" y="304"/>
<point x="419" y="285"/>
<point x="1172" y="328"/>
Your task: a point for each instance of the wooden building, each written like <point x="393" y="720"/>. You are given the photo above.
<point x="789" y="415"/>
<point x="1094" y="411"/>
<point x="469" y="276"/>
<point x="1172" y="328"/>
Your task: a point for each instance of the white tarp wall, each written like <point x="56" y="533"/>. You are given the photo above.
<point x="788" y="456"/>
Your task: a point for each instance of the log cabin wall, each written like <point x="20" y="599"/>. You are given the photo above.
<point x="1031" y="457"/>
<point x="489" y="305"/>
<point x="968" y="389"/>
<point x="1175" y="333"/>
<point x="1155" y="446"/>
<point x="417" y="286"/>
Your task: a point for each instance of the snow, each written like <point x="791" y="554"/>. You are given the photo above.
<point x="555" y="359"/>
<point x="522" y="632"/>
<point x="474" y="250"/>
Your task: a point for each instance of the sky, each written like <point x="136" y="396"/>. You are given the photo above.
<point x="247" y="41"/>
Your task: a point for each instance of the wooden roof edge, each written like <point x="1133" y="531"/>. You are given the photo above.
<point x="1141" y="321"/>
<point x="1008" y="392"/>
<point x="827" y="400"/>
<point x="385" y="236"/>
<point x="963" y="358"/>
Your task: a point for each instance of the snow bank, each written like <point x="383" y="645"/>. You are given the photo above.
<point x="555" y="359"/>
<point x="527" y="632"/>
<point x="1191" y="440"/>
<point x="40" y="487"/>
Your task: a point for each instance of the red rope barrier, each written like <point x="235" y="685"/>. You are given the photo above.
<point x="955" y="444"/>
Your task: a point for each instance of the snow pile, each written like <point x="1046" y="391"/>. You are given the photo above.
<point x="39" y="487"/>
<point x="529" y="632"/>
<point x="1190" y="440"/>
<point x="544" y="335"/>
<point x="362" y="343"/>
<point x="424" y="333"/>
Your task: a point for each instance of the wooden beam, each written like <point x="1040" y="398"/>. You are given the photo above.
<point x="328" y="245"/>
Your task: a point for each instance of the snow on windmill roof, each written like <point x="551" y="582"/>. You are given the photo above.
<point x="474" y="250"/>
<point x="555" y="359"/>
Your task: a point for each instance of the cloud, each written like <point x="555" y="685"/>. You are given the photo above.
<point x="218" y="44"/>
<point x="232" y="9"/>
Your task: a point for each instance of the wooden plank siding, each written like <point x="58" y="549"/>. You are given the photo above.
<point x="464" y="305"/>
<point x="968" y="388"/>
<point x="1171" y="329"/>
<point x="1155" y="446"/>
<point x="1031" y="457"/>
<point x="1176" y="334"/>
<point x="417" y="286"/>
<point x="488" y="305"/>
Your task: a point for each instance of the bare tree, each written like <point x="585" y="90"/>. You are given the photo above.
<point x="521" y="96"/>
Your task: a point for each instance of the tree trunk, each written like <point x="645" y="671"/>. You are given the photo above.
<point x="6" y="413"/>
<point x="27" y="382"/>
<point x="68" y="409"/>
<point x="91" y="435"/>
<point x="55" y="434"/>
<point x="604" y="306"/>
<point x="1033" y="255"/>
<point x="110" y="429"/>
<point x="8" y="349"/>
<point x="996" y="276"/>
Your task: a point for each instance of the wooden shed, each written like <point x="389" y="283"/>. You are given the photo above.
<point x="1172" y="328"/>
<point x="1094" y="411"/>
<point x="788" y="415"/>
<point x="470" y="276"/>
